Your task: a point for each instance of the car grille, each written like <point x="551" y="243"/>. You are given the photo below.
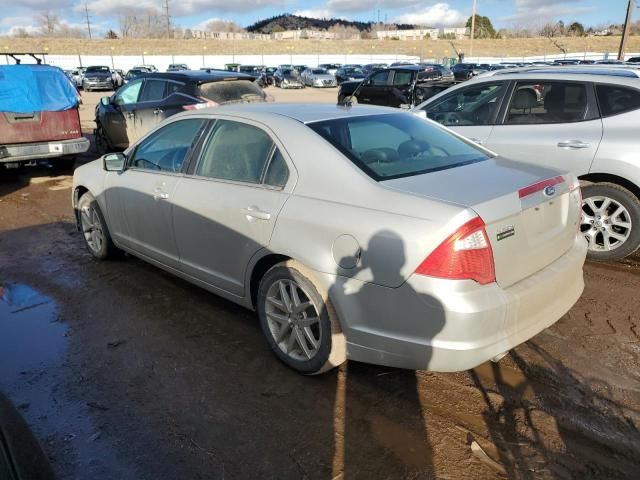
<point x="328" y="82"/>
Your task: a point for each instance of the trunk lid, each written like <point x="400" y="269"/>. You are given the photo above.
<point x="528" y="228"/>
<point x="36" y="127"/>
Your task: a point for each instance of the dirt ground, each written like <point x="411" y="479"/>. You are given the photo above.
<point x="125" y="372"/>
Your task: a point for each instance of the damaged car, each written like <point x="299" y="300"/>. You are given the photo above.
<point x="150" y="98"/>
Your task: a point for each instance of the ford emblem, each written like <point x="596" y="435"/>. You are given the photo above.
<point x="550" y="191"/>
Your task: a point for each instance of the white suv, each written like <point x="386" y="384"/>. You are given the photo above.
<point x="579" y="119"/>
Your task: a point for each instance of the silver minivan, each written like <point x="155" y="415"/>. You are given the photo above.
<point x="578" y="119"/>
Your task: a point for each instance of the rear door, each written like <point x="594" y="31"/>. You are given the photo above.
<point x="400" y="90"/>
<point x="226" y="208"/>
<point x="149" y="110"/>
<point x="118" y="118"/>
<point x="551" y="123"/>
<point x="471" y="110"/>
<point x="375" y="90"/>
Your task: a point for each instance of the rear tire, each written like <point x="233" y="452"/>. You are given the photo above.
<point x="610" y="221"/>
<point x="94" y="229"/>
<point x="299" y="321"/>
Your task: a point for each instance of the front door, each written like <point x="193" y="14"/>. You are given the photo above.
<point x="139" y="199"/>
<point x="549" y="123"/>
<point x="470" y="111"/>
<point x="375" y="90"/>
<point x="225" y="212"/>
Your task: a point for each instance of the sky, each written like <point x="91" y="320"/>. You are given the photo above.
<point x="438" y="13"/>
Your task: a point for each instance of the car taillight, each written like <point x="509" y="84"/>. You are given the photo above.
<point x="466" y="254"/>
<point x="540" y="186"/>
<point x="206" y="103"/>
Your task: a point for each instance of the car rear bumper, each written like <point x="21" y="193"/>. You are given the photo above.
<point x="106" y="84"/>
<point x="31" y="151"/>
<point x="452" y="325"/>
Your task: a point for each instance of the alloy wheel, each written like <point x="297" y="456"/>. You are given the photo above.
<point x="92" y="228"/>
<point x="605" y="223"/>
<point x="293" y="320"/>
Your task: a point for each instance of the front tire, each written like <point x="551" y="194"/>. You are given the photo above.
<point x="610" y="221"/>
<point x="94" y="229"/>
<point x="299" y="321"/>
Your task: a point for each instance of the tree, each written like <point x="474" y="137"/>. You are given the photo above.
<point x="483" y="28"/>
<point x="223" y="26"/>
<point x="188" y="34"/>
<point x="576" y="29"/>
<point x="111" y="35"/>
<point x="49" y="22"/>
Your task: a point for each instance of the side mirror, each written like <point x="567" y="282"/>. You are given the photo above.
<point x="114" y="162"/>
<point x="106" y="101"/>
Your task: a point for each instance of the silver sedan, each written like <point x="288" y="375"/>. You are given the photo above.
<point x="318" y="77"/>
<point x="354" y="232"/>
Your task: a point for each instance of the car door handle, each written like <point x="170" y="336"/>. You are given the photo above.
<point x="573" y="144"/>
<point x="475" y="140"/>
<point x="158" y="194"/>
<point x="255" y="212"/>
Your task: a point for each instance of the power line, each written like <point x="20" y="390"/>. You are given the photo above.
<point x="166" y="10"/>
<point x="86" y="12"/>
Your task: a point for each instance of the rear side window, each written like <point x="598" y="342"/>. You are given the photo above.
<point x="236" y="91"/>
<point x="153" y="90"/>
<point x="547" y="102"/>
<point x="235" y="151"/>
<point x="614" y="99"/>
<point x="396" y="145"/>
<point x="402" y="78"/>
<point x="277" y="172"/>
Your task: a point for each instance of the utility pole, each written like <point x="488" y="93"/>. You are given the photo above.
<point x="86" y="13"/>
<point x="625" y="31"/>
<point x="473" y="27"/>
<point x="166" y="12"/>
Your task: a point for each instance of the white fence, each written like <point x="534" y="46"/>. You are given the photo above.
<point x="125" y="62"/>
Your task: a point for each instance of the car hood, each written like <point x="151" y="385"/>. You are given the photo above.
<point x="291" y="78"/>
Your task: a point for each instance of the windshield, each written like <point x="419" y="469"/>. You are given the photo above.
<point x="237" y="91"/>
<point x="319" y="71"/>
<point x="98" y="69"/>
<point x="397" y="145"/>
<point x="353" y="70"/>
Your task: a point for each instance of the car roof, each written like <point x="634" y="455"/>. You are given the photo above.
<point x="301" y="112"/>
<point x="624" y="71"/>
<point x="210" y="75"/>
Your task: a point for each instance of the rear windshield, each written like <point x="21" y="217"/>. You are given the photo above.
<point x="319" y="72"/>
<point x="397" y="145"/>
<point x="236" y="91"/>
<point x="97" y="69"/>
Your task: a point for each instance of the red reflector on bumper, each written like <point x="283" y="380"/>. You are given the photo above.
<point x="537" y="187"/>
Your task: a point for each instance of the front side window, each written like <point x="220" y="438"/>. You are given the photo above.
<point x="166" y="149"/>
<point x="128" y="94"/>
<point x="396" y="145"/>
<point x="235" y="151"/>
<point x="474" y="105"/>
<point x="614" y="99"/>
<point x="153" y="90"/>
<point x="547" y="102"/>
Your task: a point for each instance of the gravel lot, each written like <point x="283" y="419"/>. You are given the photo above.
<point x="127" y="372"/>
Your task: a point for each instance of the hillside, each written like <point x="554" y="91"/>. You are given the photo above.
<point x="427" y="48"/>
<point x="295" y="22"/>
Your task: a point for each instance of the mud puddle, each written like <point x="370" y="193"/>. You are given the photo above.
<point x="31" y="336"/>
<point x="33" y="373"/>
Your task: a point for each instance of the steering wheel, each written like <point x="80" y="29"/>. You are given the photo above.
<point x="437" y="147"/>
<point x="146" y="164"/>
